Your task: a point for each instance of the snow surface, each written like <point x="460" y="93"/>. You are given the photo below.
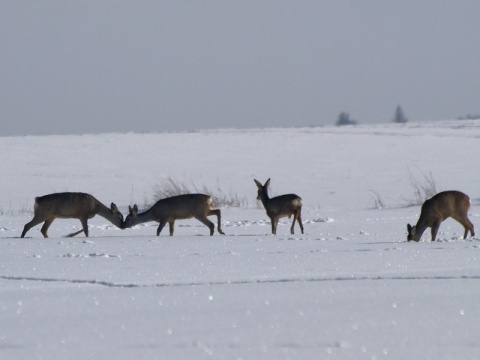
<point x="351" y="287"/>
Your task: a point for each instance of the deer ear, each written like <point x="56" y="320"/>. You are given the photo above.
<point x="267" y="183"/>
<point x="135" y="208"/>
<point x="113" y="207"/>
<point x="131" y="210"/>
<point x="259" y="185"/>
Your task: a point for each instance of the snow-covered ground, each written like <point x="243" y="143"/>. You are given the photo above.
<point x="351" y="287"/>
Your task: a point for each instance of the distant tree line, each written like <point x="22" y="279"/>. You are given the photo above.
<point x="344" y="118"/>
<point x="470" y="117"/>
<point x="398" y="118"/>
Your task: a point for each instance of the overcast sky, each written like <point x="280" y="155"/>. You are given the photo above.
<point x="74" y="67"/>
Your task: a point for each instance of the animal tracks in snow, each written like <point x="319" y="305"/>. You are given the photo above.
<point x="240" y="281"/>
<point x="92" y="255"/>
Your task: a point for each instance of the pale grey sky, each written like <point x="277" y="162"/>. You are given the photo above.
<point x="73" y="67"/>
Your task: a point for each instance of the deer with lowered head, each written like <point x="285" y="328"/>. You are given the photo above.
<point x="179" y="207"/>
<point x="69" y="205"/>
<point x="454" y="204"/>
<point x="280" y="206"/>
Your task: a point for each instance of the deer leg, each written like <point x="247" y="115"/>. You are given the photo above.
<point x="468" y="227"/>
<point x="467" y="224"/>
<point x="35" y="221"/>
<point x="45" y="226"/>
<point x="218" y="213"/>
<point x="207" y="222"/>
<point x="274" y="221"/>
<point x="163" y="222"/>
<point x="298" y="217"/>
<point x="74" y="233"/>
<point x="84" y="222"/>
<point x="295" y="215"/>
<point x="171" y="224"/>
<point x="434" y="231"/>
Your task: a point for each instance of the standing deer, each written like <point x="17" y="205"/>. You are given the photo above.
<point x="187" y="206"/>
<point x="446" y="204"/>
<point x="71" y="206"/>
<point x="280" y="206"/>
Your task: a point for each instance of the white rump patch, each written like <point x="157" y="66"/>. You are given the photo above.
<point x="297" y="202"/>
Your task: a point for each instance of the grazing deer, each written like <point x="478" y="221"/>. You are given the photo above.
<point x="187" y="206"/>
<point x="280" y="206"/>
<point x="71" y="206"/>
<point x="446" y="204"/>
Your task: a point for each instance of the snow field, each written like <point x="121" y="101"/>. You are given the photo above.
<point x="351" y="287"/>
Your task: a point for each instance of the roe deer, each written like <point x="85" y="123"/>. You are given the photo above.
<point x="71" y="206"/>
<point x="280" y="206"/>
<point x="187" y="206"/>
<point x="446" y="204"/>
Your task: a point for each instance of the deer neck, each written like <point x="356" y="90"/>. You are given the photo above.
<point x="145" y="216"/>
<point x="264" y="198"/>
<point x="420" y="228"/>
<point x="107" y="213"/>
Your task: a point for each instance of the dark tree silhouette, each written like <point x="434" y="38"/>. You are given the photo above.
<point x="344" y="119"/>
<point x="399" y="117"/>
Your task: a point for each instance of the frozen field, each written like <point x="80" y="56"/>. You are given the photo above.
<point x="351" y="287"/>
